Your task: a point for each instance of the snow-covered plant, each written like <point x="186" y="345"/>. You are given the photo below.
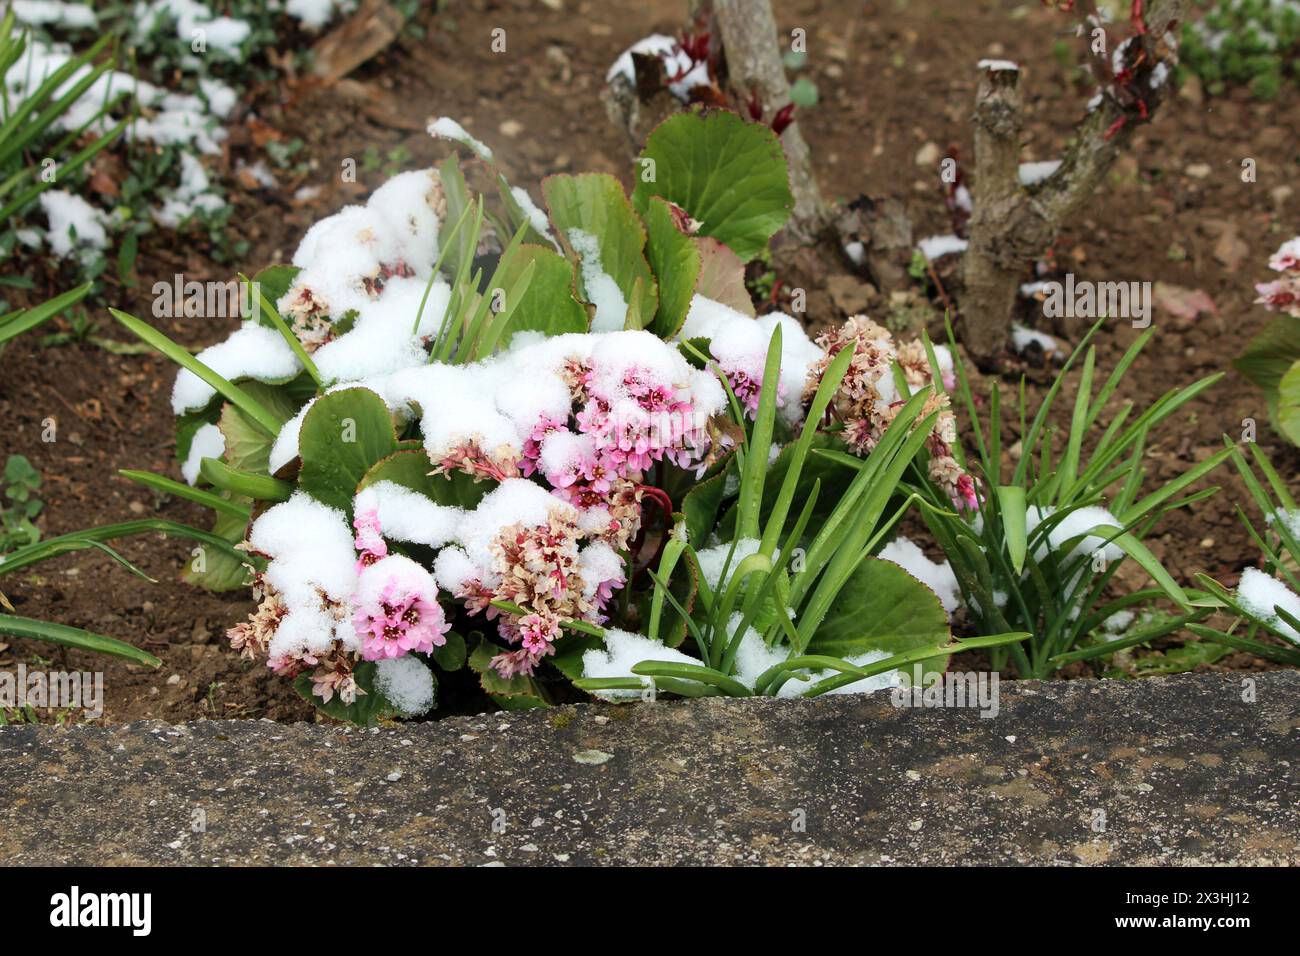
<point x="1268" y="598"/>
<point x="1247" y="42"/>
<point x="1041" y="550"/>
<point x="46" y="114"/>
<point x="1272" y="359"/>
<point x="545" y="442"/>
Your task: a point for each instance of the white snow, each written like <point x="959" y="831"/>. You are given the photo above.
<point x="406" y="515"/>
<point x="194" y="194"/>
<point x="536" y="217"/>
<point x="683" y="75"/>
<point x="712" y="560"/>
<point x="1033" y="173"/>
<point x="1077" y="522"/>
<point x="75" y="225"/>
<point x="936" y="247"/>
<point x="447" y="128"/>
<point x="312" y="559"/>
<point x="1022" y="338"/>
<point x="602" y="291"/>
<point x="405" y="683"/>
<point x="208" y="442"/>
<point x="1259" y="593"/>
<point x="998" y="66"/>
<point x="194" y="22"/>
<point x="252" y="351"/>
<point x="54" y="13"/>
<point x="622" y="652"/>
<point x="938" y="576"/>
<point x="315" y="14"/>
<point x="515" y="500"/>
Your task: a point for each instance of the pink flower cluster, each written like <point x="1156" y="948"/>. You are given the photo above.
<point x="867" y="399"/>
<point x="1283" y="295"/>
<point x="397" y="610"/>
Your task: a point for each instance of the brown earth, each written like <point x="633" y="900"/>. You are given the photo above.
<point x="893" y="77"/>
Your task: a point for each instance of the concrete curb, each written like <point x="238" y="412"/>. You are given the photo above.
<point x="1175" y="770"/>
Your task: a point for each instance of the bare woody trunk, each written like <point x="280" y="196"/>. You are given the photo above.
<point x="1012" y="224"/>
<point x="748" y="32"/>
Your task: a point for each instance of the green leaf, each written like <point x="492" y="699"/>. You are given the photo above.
<point x="74" y="637"/>
<point x="675" y="260"/>
<point x="517" y="693"/>
<point x="452" y="655"/>
<point x="410" y="468"/>
<point x="1271" y="354"/>
<point x="255" y="410"/>
<point x="343" y="435"/>
<point x="596" y="204"/>
<point x="244" y="484"/>
<point x="1288" y="403"/>
<point x="222" y="570"/>
<point x="1012" y="507"/>
<point x="880" y="608"/>
<point x="366" y="711"/>
<point x="729" y="174"/>
<point x="700" y="506"/>
<point x="19" y="322"/>
<point x="547" y="305"/>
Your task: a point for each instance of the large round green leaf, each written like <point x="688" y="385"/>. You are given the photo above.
<point x="729" y="174"/>
<point x="547" y="305"/>
<point x="342" y="437"/>
<point x="880" y="608"/>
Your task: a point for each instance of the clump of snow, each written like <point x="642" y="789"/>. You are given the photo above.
<point x="194" y="21"/>
<point x="1260" y="593"/>
<point x="447" y="128"/>
<point x="253" y="351"/>
<point x="1022" y="338"/>
<point x="1077" y="522"/>
<point x="1033" y="173"/>
<point x="938" y="576"/>
<point x="936" y="247"/>
<point x="208" y="442"/>
<point x="536" y="217"/>
<point x="194" y="194"/>
<point x="683" y="73"/>
<point x="315" y="14"/>
<point x="513" y="501"/>
<point x="712" y="560"/>
<point x="754" y="657"/>
<point x="622" y="652"/>
<point x="406" y="684"/>
<point x="999" y="66"/>
<point x="406" y="515"/>
<point x="1290" y="520"/>
<point x="74" y="16"/>
<point x="313" y="567"/>
<point x="601" y="289"/>
<point x="75" y="225"/>
<point x="384" y="336"/>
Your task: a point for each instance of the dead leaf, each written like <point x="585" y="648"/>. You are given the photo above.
<point x="1182" y="303"/>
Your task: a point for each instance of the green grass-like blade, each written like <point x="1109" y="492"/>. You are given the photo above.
<point x="74" y="637"/>
<point x="255" y="410"/>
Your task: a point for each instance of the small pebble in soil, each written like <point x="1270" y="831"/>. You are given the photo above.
<point x="592" y="757"/>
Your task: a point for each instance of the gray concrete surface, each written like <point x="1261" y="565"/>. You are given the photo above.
<point x="1175" y="770"/>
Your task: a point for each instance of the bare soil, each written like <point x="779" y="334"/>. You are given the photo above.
<point x="893" y="77"/>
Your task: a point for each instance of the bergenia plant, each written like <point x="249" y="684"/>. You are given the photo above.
<point x="1267" y="598"/>
<point x="1272" y="359"/>
<point x="555" y="443"/>
<point x="1040" y="550"/>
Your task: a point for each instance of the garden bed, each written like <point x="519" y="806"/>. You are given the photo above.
<point x="1176" y="212"/>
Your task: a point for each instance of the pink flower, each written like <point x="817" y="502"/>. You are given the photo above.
<point x="369" y="539"/>
<point x="1287" y="257"/>
<point x="397" y="610"/>
<point x="1280" y="295"/>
